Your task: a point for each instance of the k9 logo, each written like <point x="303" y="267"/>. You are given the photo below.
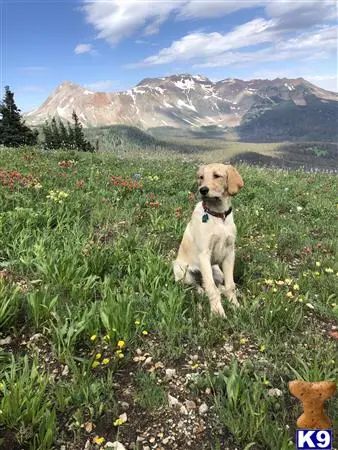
<point x="314" y="439"/>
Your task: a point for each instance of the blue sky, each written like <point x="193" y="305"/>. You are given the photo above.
<point x="111" y="45"/>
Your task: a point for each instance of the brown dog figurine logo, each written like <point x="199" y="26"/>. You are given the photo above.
<point x="313" y="397"/>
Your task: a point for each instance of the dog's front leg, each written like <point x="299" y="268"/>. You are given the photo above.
<point x="229" y="288"/>
<point x="209" y="284"/>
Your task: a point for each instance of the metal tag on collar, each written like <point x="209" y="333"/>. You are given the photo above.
<point x="205" y="218"/>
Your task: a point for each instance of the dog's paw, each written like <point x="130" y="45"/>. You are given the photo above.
<point x="230" y="294"/>
<point x="217" y="308"/>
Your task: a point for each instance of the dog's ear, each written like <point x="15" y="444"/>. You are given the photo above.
<point x="235" y="181"/>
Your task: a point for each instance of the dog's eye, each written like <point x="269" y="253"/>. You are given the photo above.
<point x="217" y="176"/>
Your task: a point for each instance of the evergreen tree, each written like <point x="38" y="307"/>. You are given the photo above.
<point x="57" y="135"/>
<point x="13" y="131"/>
<point x="79" y="139"/>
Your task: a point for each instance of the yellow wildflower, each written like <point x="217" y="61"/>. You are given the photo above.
<point x="262" y="348"/>
<point x="137" y="322"/>
<point x="121" y="344"/>
<point x="318" y="264"/>
<point x="119" y="354"/>
<point x="121" y="420"/>
<point x="280" y="282"/>
<point x="296" y="287"/>
<point x="93" y="337"/>
<point x="106" y="337"/>
<point x="288" y="281"/>
<point x="98" y="440"/>
<point x="95" y="364"/>
<point x="98" y="356"/>
<point x="269" y="282"/>
<point x="145" y="332"/>
<point x="328" y="270"/>
<point x="195" y="366"/>
<point x="289" y="294"/>
<point x="243" y="340"/>
<point x="105" y="361"/>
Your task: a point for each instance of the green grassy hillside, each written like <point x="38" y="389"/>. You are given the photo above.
<point x="92" y="325"/>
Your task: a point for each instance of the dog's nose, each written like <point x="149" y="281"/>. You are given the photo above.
<point x="204" y="190"/>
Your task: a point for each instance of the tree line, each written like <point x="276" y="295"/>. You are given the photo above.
<point x="56" y="135"/>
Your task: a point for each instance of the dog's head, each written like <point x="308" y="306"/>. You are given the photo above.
<point x="218" y="180"/>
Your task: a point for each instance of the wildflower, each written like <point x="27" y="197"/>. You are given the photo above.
<point x="269" y="282"/>
<point x="105" y="361"/>
<point x="332" y="304"/>
<point x="145" y="332"/>
<point x="280" y="282"/>
<point x="2" y="387"/>
<point x="98" y="440"/>
<point x="95" y="364"/>
<point x="93" y="337"/>
<point x="38" y="186"/>
<point x="98" y="356"/>
<point x="289" y="294"/>
<point x="288" y="281"/>
<point x="262" y="348"/>
<point x="106" y="337"/>
<point x="195" y="366"/>
<point x="121" y="344"/>
<point x="299" y="208"/>
<point x="316" y="273"/>
<point x="121" y="420"/>
<point x="318" y="264"/>
<point x="274" y="290"/>
<point x="137" y="322"/>
<point x="296" y="287"/>
<point x="243" y="340"/>
<point x="328" y="270"/>
<point x="119" y="354"/>
<point x="309" y="305"/>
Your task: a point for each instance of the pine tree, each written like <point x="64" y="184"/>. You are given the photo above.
<point x="57" y="135"/>
<point x="64" y="136"/>
<point x="13" y="131"/>
<point x="79" y="139"/>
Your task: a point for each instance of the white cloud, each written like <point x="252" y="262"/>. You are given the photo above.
<point x="115" y="20"/>
<point x="118" y="19"/>
<point x="206" y="45"/>
<point x="83" y="48"/>
<point x="102" y="85"/>
<point x="210" y="8"/>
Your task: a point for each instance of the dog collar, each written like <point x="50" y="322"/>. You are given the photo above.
<point x="222" y="215"/>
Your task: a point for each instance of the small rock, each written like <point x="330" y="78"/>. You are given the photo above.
<point x="115" y="445"/>
<point x="203" y="408"/>
<point x="151" y="439"/>
<point x="208" y="391"/>
<point x="145" y="447"/>
<point x="275" y="392"/>
<point x="194" y="358"/>
<point x="172" y="401"/>
<point x="36" y="336"/>
<point x="65" y="371"/>
<point x="148" y="361"/>
<point x="6" y="341"/>
<point x="190" y="405"/>
<point x="124" y="405"/>
<point x="169" y="374"/>
<point x="139" y="351"/>
<point x="165" y="441"/>
<point x="183" y="410"/>
<point x="63" y="447"/>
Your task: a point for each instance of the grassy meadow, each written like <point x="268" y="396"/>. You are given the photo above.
<point x="97" y="342"/>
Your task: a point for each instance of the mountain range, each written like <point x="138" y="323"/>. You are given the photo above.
<point x="255" y="110"/>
